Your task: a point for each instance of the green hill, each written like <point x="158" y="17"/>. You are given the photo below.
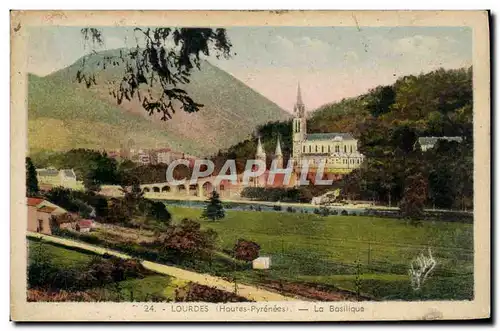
<point x="64" y="114"/>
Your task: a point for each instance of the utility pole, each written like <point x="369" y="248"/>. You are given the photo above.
<point x="369" y="253"/>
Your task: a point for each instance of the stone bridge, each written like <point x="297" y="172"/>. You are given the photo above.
<point x="202" y="188"/>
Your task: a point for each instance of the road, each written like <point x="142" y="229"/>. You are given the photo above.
<point x="247" y="291"/>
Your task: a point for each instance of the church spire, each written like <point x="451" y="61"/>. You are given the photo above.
<point x="299" y="109"/>
<point x="278" y="148"/>
<point x="299" y="96"/>
<point x="260" y="151"/>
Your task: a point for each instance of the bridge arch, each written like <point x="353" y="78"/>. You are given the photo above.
<point x="181" y="188"/>
<point x="207" y="188"/>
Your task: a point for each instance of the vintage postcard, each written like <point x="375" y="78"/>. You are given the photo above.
<point x="250" y="165"/>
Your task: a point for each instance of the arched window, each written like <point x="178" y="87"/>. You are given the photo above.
<point x="303" y="149"/>
<point x="329" y="149"/>
<point x="309" y="148"/>
<point x="351" y="148"/>
<point x="322" y="149"/>
<point x="337" y="149"/>
<point x="345" y="149"/>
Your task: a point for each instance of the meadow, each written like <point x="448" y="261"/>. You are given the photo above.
<point x="370" y="254"/>
<point x="132" y="289"/>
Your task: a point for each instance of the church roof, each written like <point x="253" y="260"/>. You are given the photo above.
<point x="329" y="136"/>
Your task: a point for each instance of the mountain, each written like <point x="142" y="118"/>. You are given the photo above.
<point x="65" y="114"/>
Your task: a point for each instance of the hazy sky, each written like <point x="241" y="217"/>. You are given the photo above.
<point x="330" y="62"/>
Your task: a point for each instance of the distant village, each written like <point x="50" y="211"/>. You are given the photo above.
<point x="149" y="156"/>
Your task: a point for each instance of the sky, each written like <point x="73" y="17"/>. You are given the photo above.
<point x="330" y="63"/>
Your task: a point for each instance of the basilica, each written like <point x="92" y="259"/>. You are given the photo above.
<point x="338" y="151"/>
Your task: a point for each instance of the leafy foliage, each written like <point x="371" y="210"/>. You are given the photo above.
<point x="300" y="194"/>
<point x="246" y="250"/>
<point x="187" y="238"/>
<point x="31" y="179"/>
<point x="415" y="195"/>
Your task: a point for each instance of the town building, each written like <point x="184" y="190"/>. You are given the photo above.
<point x="338" y="151"/>
<point x="40" y="212"/>
<point x="164" y="155"/>
<point x="427" y="143"/>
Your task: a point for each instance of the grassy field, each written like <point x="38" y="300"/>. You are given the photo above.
<point x="137" y="289"/>
<point x="324" y="250"/>
<point x="61" y="257"/>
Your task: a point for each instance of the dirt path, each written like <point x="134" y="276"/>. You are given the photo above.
<point x="247" y="291"/>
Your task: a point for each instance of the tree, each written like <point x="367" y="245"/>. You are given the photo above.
<point x="188" y="239"/>
<point x="90" y="183"/>
<point x="415" y="194"/>
<point x="246" y="250"/>
<point x="214" y="209"/>
<point x="380" y="99"/>
<point x="162" y="59"/>
<point x="118" y="212"/>
<point x="31" y="179"/>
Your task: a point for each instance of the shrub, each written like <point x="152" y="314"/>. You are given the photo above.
<point x="277" y="208"/>
<point x="193" y="292"/>
<point x="246" y="250"/>
<point x="344" y="213"/>
<point x="187" y="238"/>
<point x="324" y="211"/>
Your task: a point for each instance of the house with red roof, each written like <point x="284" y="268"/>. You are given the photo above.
<point x="84" y="225"/>
<point x="40" y="212"/>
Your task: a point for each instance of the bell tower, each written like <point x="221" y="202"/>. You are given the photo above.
<point x="299" y="129"/>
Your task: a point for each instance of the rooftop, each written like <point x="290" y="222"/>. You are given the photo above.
<point x="85" y="223"/>
<point x="47" y="172"/>
<point x="46" y="209"/>
<point x="433" y="140"/>
<point x="69" y="173"/>
<point x="34" y="201"/>
<point x="329" y="136"/>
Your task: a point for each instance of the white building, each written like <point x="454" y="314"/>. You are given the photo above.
<point x="54" y="177"/>
<point x="427" y="143"/>
<point x="262" y="262"/>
